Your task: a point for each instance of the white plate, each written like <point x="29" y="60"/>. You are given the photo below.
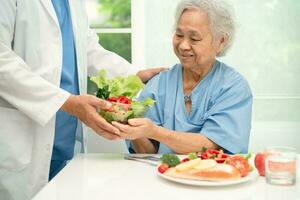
<point x="253" y="175"/>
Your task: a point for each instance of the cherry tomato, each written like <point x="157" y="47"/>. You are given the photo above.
<point x="220" y="160"/>
<point x="224" y="155"/>
<point x="204" y="155"/>
<point x="123" y="99"/>
<point x="213" y="151"/>
<point x="240" y="163"/>
<point x="163" y="167"/>
<point x="185" y="160"/>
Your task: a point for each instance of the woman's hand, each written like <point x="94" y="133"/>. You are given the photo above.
<point x="84" y="107"/>
<point x="136" y="128"/>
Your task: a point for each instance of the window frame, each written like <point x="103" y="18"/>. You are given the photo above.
<point x="137" y="32"/>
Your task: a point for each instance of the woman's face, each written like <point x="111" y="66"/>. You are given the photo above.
<point x="193" y="41"/>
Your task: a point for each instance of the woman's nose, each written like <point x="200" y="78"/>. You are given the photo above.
<point x="184" y="45"/>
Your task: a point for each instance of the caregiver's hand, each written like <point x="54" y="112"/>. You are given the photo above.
<point x="137" y="128"/>
<point x="84" y="107"/>
<point x="147" y="74"/>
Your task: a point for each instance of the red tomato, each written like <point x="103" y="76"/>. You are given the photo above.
<point x="112" y="99"/>
<point x="204" y="155"/>
<point x="185" y="160"/>
<point x="259" y="162"/>
<point x="163" y="167"/>
<point x="123" y="99"/>
<point x="240" y="163"/>
<point x="224" y="155"/>
<point x="213" y="151"/>
<point x="220" y="160"/>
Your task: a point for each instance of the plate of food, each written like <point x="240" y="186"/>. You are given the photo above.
<point x="207" y="168"/>
<point x="121" y="93"/>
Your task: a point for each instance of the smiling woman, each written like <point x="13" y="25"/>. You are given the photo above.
<point x="268" y="59"/>
<point x="218" y="113"/>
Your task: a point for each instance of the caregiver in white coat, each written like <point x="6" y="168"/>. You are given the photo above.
<point x="30" y="96"/>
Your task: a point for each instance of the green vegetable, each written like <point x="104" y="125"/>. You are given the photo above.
<point x="248" y="156"/>
<point x="192" y="156"/>
<point x="204" y="149"/>
<point x="170" y="159"/>
<point x="103" y="93"/>
<point x="118" y="86"/>
<point x="105" y="88"/>
<point x="115" y="116"/>
<point x="92" y="87"/>
<point x="139" y="107"/>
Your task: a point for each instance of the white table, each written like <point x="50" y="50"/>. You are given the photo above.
<point x="110" y="177"/>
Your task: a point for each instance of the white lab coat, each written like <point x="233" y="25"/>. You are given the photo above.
<point x="30" y="71"/>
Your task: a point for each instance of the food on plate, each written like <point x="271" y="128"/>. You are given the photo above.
<point x="219" y="172"/>
<point x="170" y="159"/>
<point x="259" y="162"/>
<point x="120" y="91"/>
<point x="240" y="163"/>
<point x="214" y="165"/>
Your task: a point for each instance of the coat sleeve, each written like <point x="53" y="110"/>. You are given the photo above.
<point x="20" y="88"/>
<point x="100" y="58"/>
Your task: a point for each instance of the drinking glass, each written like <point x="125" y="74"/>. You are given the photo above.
<point x="280" y="165"/>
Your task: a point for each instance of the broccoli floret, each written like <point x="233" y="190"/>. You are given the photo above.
<point x="170" y="159"/>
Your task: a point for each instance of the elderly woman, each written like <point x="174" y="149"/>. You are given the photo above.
<point x="201" y="102"/>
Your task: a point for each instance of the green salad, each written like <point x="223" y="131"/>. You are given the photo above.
<point x="120" y="91"/>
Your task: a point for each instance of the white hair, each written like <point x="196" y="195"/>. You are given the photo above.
<point x="220" y="17"/>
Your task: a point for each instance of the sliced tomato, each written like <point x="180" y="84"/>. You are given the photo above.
<point x="240" y="163"/>
<point x="185" y="160"/>
<point x="204" y="155"/>
<point x="224" y="155"/>
<point x="220" y="160"/>
<point x="123" y="99"/>
<point x="213" y="151"/>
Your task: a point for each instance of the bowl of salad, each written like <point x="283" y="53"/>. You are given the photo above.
<point x="121" y="92"/>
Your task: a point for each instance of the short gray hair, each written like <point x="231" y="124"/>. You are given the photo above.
<point x="220" y="16"/>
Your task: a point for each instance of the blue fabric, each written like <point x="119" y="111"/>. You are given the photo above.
<point x="56" y="167"/>
<point x="65" y="125"/>
<point x="221" y="106"/>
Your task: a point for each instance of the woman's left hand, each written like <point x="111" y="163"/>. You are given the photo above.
<point x="136" y="128"/>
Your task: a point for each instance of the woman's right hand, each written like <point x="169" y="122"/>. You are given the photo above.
<point x="84" y="107"/>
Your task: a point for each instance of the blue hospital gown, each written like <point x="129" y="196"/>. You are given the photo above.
<point x="221" y="106"/>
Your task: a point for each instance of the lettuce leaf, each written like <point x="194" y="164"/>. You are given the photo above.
<point x="118" y="86"/>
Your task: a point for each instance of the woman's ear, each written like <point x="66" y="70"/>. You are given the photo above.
<point x="221" y="42"/>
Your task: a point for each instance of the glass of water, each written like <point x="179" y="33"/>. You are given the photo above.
<point x="280" y="165"/>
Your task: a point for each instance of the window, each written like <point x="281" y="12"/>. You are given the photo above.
<point x="111" y="19"/>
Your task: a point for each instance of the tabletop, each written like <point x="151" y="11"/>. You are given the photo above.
<point x="110" y="176"/>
